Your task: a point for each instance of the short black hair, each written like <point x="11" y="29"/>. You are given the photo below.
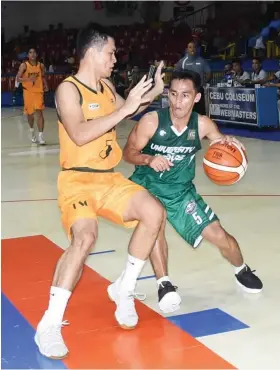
<point x="237" y="61"/>
<point x="32" y="48"/>
<point x="92" y="35"/>
<point x="258" y="59"/>
<point x="187" y="75"/>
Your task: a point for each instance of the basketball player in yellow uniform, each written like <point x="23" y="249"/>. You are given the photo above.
<point x="32" y="76"/>
<point x="89" y="109"/>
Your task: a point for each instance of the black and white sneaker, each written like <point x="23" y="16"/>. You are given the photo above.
<point x="249" y="282"/>
<point x="168" y="298"/>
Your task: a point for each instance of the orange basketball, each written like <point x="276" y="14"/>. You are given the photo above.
<point x="225" y="164"/>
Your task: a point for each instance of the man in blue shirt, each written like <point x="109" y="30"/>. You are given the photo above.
<point x="195" y="63"/>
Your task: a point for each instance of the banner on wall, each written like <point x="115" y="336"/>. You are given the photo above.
<point x="233" y="105"/>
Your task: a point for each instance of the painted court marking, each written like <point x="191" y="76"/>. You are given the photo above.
<point x="102" y="252"/>
<point x="40" y="150"/>
<point x="207" y="322"/>
<point x="93" y="336"/>
<point x="146" y="277"/>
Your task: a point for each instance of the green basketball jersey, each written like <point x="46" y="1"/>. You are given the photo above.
<point x="179" y="148"/>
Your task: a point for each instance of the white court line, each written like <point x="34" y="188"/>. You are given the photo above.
<point x="40" y="150"/>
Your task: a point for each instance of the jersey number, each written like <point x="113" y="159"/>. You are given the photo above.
<point x="197" y="218"/>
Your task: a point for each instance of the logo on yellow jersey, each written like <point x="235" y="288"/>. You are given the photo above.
<point x="93" y="106"/>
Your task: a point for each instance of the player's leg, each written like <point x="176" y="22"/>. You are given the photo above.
<point x="40" y="125"/>
<point x="29" y="111"/>
<point x="168" y="298"/>
<point x="230" y="250"/>
<point x="127" y="203"/>
<point x="194" y="220"/>
<point x="79" y="220"/>
<point x="39" y="104"/>
<point x="67" y="273"/>
<point x="126" y="207"/>
<point x="31" y="135"/>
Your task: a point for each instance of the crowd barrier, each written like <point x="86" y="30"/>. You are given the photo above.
<point x="54" y="79"/>
<point x="250" y="107"/>
<point x="243" y="106"/>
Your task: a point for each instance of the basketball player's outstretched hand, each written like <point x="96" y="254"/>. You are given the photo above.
<point x="136" y="96"/>
<point x="160" y="164"/>
<point x="229" y="140"/>
<point x="159" y="83"/>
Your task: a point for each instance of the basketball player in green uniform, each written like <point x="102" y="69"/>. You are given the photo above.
<point x="163" y="146"/>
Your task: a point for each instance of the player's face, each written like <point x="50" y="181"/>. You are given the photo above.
<point x="182" y="97"/>
<point x="32" y="55"/>
<point x="105" y="58"/>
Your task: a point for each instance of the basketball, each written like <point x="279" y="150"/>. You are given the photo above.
<point x="225" y="164"/>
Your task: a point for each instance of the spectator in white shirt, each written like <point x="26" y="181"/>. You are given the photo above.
<point x="274" y="81"/>
<point x="240" y="77"/>
<point x="259" y="76"/>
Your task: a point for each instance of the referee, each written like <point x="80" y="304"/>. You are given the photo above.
<point x="195" y="63"/>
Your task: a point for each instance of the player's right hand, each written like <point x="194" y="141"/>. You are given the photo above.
<point x="160" y="164"/>
<point x="136" y="96"/>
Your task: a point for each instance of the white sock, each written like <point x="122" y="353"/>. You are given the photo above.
<point x="238" y="269"/>
<point x="164" y="278"/>
<point x="132" y="271"/>
<point x="40" y="134"/>
<point x="31" y="130"/>
<point x="57" y="305"/>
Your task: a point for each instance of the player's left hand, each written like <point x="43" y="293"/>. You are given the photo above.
<point x="46" y="89"/>
<point x="159" y="83"/>
<point x="228" y="139"/>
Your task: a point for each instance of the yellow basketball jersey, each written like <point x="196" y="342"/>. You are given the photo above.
<point x="33" y="71"/>
<point x="102" y="153"/>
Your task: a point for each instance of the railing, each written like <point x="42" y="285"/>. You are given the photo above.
<point x="199" y="17"/>
<point x="54" y="79"/>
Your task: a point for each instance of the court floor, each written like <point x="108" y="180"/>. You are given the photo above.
<point x="218" y="326"/>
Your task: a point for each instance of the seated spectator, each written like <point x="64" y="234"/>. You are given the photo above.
<point x="258" y="76"/>
<point x="240" y="77"/>
<point x="128" y="74"/>
<point x="135" y="78"/>
<point x="274" y="81"/>
<point x="228" y="73"/>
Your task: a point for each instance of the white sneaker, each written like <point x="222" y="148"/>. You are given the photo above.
<point x="125" y="313"/>
<point x="50" y="342"/>
<point x="41" y="139"/>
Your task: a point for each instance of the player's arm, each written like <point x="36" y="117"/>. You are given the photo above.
<point x="149" y="96"/>
<point x="20" y="73"/>
<point x="43" y="69"/>
<point x="262" y="80"/>
<point x="139" y="137"/>
<point x="272" y="78"/>
<point x="209" y="129"/>
<point x="71" y="115"/>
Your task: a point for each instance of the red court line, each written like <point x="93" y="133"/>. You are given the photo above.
<point x="93" y="338"/>
<point x="203" y="195"/>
